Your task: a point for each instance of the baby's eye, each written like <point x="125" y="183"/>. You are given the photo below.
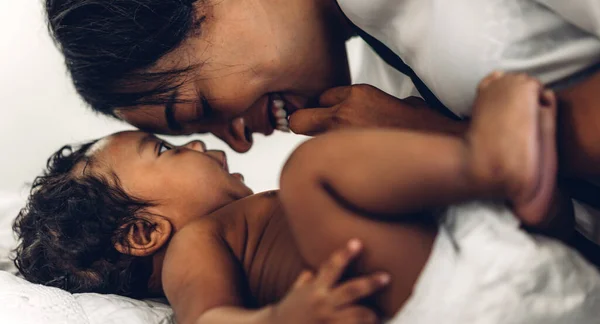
<point x="163" y="147"/>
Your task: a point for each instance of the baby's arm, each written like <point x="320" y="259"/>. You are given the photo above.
<point x="202" y="280"/>
<point x="204" y="284"/>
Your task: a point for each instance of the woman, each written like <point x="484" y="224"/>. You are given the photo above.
<point x="185" y="66"/>
<point x="234" y="68"/>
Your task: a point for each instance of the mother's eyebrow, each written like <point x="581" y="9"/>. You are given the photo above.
<point x="172" y="123"/>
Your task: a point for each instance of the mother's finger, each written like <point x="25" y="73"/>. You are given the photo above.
<point x="334" y="96"/>
<point x="312" y="121"/>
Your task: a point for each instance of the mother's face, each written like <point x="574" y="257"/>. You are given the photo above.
<point x="249" y="57"/>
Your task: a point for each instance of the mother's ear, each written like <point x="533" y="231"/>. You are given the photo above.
<point x="144" y="237"/>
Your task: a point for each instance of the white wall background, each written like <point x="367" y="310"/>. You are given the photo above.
<point x="40" y="110"/>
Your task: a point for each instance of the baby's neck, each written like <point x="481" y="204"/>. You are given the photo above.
<point x="155" y="287"/>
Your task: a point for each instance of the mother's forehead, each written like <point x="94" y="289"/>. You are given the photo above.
<point x="150" y="118"/>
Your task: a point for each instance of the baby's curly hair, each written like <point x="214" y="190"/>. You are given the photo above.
<point x="70" y="225"/>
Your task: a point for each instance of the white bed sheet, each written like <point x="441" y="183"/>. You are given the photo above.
<point x="23" y="302"/>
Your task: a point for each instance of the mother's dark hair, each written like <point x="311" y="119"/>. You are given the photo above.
<point x="109" y="47"/>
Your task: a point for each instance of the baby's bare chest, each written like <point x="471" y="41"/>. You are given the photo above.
<point x="266" y="250"/>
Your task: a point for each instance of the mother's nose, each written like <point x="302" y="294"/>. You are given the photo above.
<point x="236" y="134"/>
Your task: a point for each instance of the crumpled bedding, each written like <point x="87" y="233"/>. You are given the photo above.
<point x="485" y="269"/>
<point x="23" y="302"/>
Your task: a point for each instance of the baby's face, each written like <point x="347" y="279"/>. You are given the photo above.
<point x="185" y="182"/>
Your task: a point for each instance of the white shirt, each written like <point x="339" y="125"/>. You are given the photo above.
<point x="452" y="45"/>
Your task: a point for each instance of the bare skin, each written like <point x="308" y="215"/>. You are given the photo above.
<point x="579" y="119"/>
<point x="243" y="267"/>
<point x="222" y="255"/>
<point x="529" y="169"/>
<point x="360" y="106"/>
<point x="325" y="205"/>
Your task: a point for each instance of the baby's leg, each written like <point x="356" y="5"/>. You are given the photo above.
<point x="359" y="184"/>
<point x="513" y="140"/>
<point x="320" y="225"/>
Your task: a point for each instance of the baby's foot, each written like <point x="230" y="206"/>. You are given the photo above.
<point x="513" y="143"/>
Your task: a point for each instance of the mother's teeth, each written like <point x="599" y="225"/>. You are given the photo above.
<point x="278" y="103"/>
<point x="280" y="114"/>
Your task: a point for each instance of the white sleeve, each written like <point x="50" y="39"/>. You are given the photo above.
<point x="584" y="14"/>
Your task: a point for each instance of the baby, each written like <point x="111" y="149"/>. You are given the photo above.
<point x="134" y="215"/>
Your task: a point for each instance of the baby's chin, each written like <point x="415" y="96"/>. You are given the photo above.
<point x="238" y="176"/>
<point x="243" y="190"/>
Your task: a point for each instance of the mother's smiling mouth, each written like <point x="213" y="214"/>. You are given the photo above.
<point x="273" y="115"/>
<point x="278" y="116"/>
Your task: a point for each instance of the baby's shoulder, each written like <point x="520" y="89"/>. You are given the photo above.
<point x="199" y="266"/>
<point x="198" y="231"/>
<point x="227" y="227"/>
<point x="199" y="242"/>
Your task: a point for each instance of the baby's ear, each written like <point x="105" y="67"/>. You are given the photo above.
<point x="144" y="237"/>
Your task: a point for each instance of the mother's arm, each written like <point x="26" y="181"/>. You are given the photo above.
<point x="579" y="129"/>
<point x="364" y="106"/>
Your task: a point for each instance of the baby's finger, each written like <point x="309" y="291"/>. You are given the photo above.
<point x="331" y="271"/>
<point x="334" y="96"/>
<point x="356" y="315"/>
<point x="303" y="279"/>
<point x="359" y="288"/>
<point x="311" y="121"/>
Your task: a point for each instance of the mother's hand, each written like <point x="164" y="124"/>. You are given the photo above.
<point x="365" y="106"/>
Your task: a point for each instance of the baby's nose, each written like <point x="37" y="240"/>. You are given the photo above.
<point x="196" y="146"/>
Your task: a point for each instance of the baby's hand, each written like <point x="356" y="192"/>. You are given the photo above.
<point x="319" y="298"/>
